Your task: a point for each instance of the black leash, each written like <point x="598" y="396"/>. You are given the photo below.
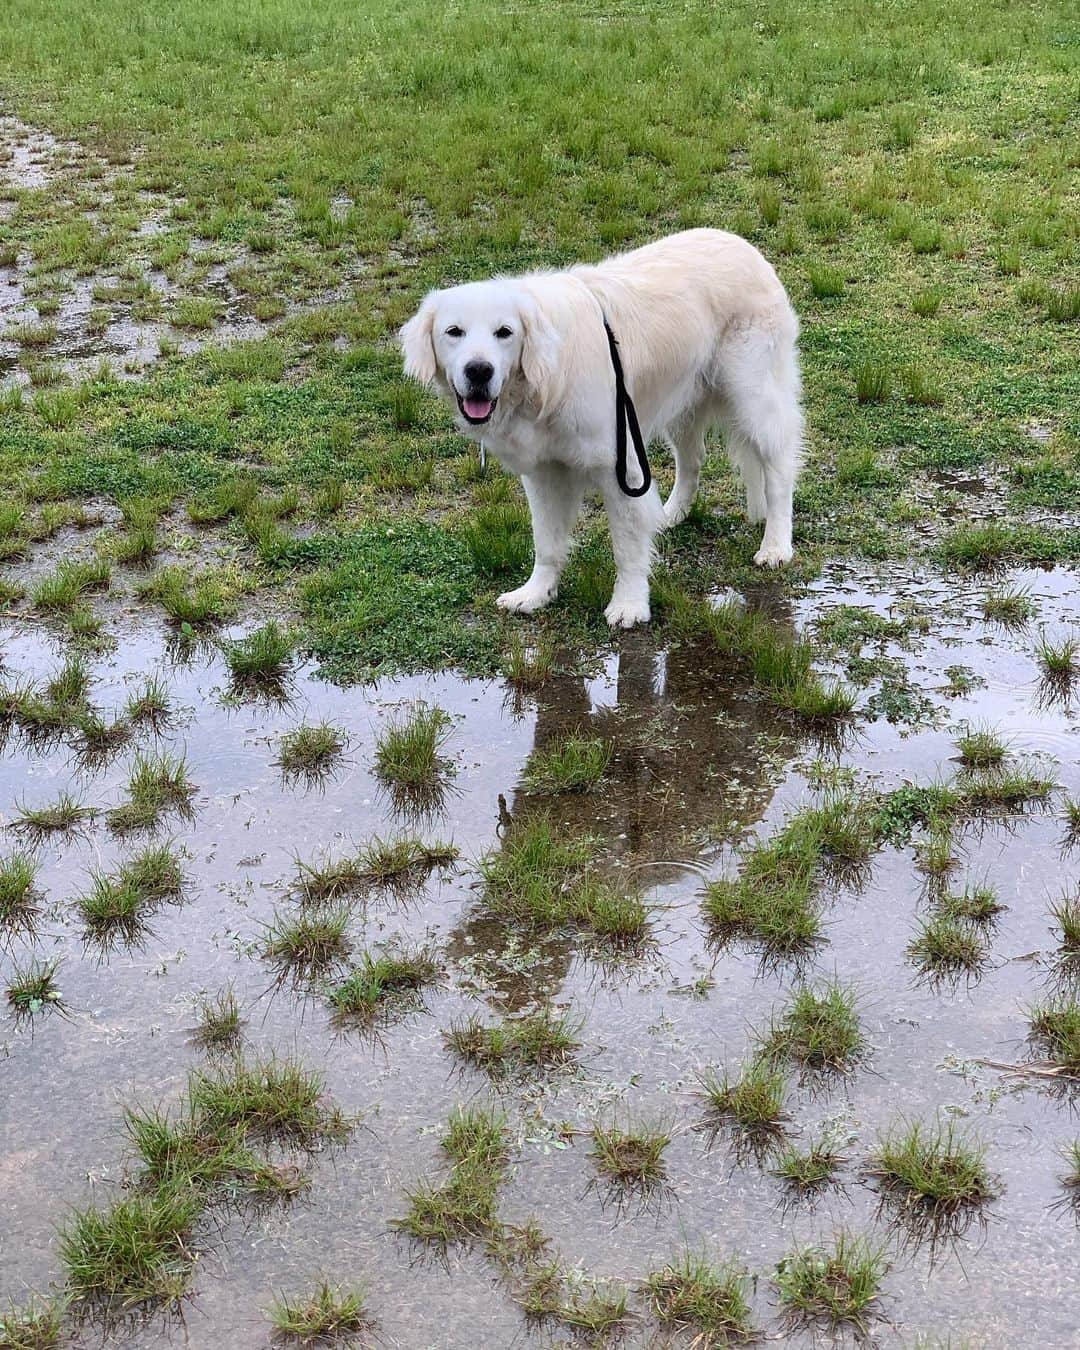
<point x="625" y="412"/>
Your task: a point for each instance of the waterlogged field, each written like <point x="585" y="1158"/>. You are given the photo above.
<point x="376" y="969"/>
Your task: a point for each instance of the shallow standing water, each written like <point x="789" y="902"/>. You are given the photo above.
<point x="700" y="764"/>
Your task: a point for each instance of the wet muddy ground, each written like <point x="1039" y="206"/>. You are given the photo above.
<point x="700" y="766"/>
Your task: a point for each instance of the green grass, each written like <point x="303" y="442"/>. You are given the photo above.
<point x="568" y="764"/>
<point x="755" y="1100"/>
<point x="935" y="1166"/>
<point x="32" y="988"/>
<point x="383" y="985"/>
<point x="1055" y="1027"/>
<point x="773" y="901"/>
<point x="33" y="1325"/>
<point x="269" y="1098"/>
<point x="835" y="1285"/>
<point x="980" y="904"/>
<point x="540" y="879"/>
<point x="136" y="1253"/>
<point x="1066" y="916"/>
<point x="631" y="1154"/>
<point x="196" y="602"/>
<point x="529" y="666"/>
<point x="706" y="1300"/>
<point x="220" y="1021"/>
<point x="1058" y="659"/>
<point x="63" y="816"/>
<point x="398" y="863"/>
<point x="68" y="583"/>
<point x="261" y="660"/>
<point x="463" y="1207"/>
<point x="499" y="540"/>
<point x="158" y="786"/>
<point x="20" y="897"/>
<point x="945" y="944"/>
<point x="536" y="1040"/>
<point x="981" y="748"/>
<point x="408" y="751"/>
<point x="810" y="1170"/>
<point x="329" y="1315"/>
<point x="1071" y="1180"/>
<point x="819" y="1028"/>
<point x="307" y="944"/>
<point x="311" y="752"/>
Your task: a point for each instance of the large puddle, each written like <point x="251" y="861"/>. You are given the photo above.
<point x="699" y="765"/>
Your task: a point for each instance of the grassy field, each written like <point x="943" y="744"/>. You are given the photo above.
<point x="312" y="169"/>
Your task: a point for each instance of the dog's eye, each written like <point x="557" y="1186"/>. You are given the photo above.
<point x="504" y="332"/>
<point x="455" y="331"/>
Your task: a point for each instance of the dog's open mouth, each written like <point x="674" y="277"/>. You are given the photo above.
<point x="476" y="410"/>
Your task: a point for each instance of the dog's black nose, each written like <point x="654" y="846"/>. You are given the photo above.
<point x="479" y="372"/>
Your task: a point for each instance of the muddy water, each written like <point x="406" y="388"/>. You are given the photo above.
<point x="699" y="766"/>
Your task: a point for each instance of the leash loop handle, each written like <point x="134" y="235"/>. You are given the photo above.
<point x="626" y="415"/>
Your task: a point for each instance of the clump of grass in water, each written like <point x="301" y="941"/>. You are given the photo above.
<point x="383" y="985"/>
<point x="33" y="988"/>
<point x="311" y="752"/>
<point x="260" y="661"/>
<point x="330" y="1315"/>
<point x="981" y="748"/>
<point x="979" y="904"/>
<point x="707" y="1300"/>
<point x="1071" y="1179"/>
<point x="36" y="1325"/>
<point x="1055" y="1026"/>
<point x="158" y="786"/>
<point x="220" y="1022"/>
<point x="137" y="1253"/>
<point x="810" y="1170"/>
<point x="150" y="707"/>
<point x="98" y="739"/>
<point x="772" y="901"/>
<point x="935" y="854"/>
<point x="631" y="1155"/>
<point x="819" y="1028"/>
<point x="1058" y="661"/>
<point x="308" y="944"/>
<point x="528" y="667"/>
<point x="538" y="1040"/>
<point x="408" y="754"/>
<point x="463" y="1207"/>
<point x="567" y="764"/>
<point x="1066" y="916"/>
<point x="270" y="1098"/>
<point x="390" y="863"/>
<point x="932" y="1168"/>
<point x="947" y="945"/>
<point x="1011" y="609"/>
<point x="64" y="816"/>
<point x="1072" y="822"/>
<point x="117" y="907"/>
<point x="20" y="898"/>
<point x="194" y="602"/>
<point x="1006" y="789"/>
<point x="834" y="1285"/>
<point x="64" y="587"/>
<point x="538" y="879"/>
<point x="754" y="1101"/>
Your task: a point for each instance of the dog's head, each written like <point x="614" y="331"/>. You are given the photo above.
<point x="485" y="345"/>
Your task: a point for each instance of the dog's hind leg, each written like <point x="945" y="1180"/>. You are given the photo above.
<point x="554" y="494"/>
<point x="634" y="523"/>
<point x="766" y="435"/>
<point x="688" y="442"/>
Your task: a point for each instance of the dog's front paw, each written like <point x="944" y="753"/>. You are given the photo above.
<point x="526" y="599"/>
<point x="774" y="555"/>
<point x="626" y="613"/>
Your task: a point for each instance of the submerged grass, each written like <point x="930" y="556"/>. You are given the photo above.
<point x="535" y="1040"/>
<point x="310" y="752"/>
<point x="754" y="1100"/>
<point x="32" y="988"/>
<point x="631" y="1154"/>
<point x="384" y="985"/>
<point x="463" y="1207"/>
<point x="710" y="1301"/>
<point x="834" y="1285"/>
<point x="1055" y="1026"/>
<point x="819" y="1028"/>
<point x="220" y="1022"/>
<point x="934" y="1166"/>
<point x="158" y="786"/>
<point x="568" y="764"/>
<point x="20" y="898"/>
<point x="808" y="1171"/>
<point x="539" y="878"/>
<point x="329" y="1315"/>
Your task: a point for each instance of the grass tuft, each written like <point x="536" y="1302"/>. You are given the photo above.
<point x="568" y="764"/>
<point x="945" y="944"/>
<point x="537" y="1040"/>
<point x="63" y="816"/>
<point x="330" y="1315"/>
<point x="307" y="944"/>
<point x="260" y="661"/>
<point x="35" y="1325"/>
<point x="220" y="1022"/>
<point x="932" y="1166"/>
<point x="383" y="985"/>
<point x="819" y="1028"/>
<point x="408" y="752"/>
<point x="20" y="898"/>
<point x="835" y="1285"/>
<point x="632" y="1155"/>
<point x="754" y="1101"/>
<point x="158" y="786"/>
<point x="810" y="1170"/>
<point x="310" y="752"/>
<point x="707" y="1301"/>
<point x="1055" y="1026"/>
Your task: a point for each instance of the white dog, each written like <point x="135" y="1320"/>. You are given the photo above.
<point x="706" y="337"/>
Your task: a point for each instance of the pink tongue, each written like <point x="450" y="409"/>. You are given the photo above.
<point x="476" y="407"/>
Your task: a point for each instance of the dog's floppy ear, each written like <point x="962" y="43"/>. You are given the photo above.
<point x="417" y="345"/>
<point x="541" y="354"/>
